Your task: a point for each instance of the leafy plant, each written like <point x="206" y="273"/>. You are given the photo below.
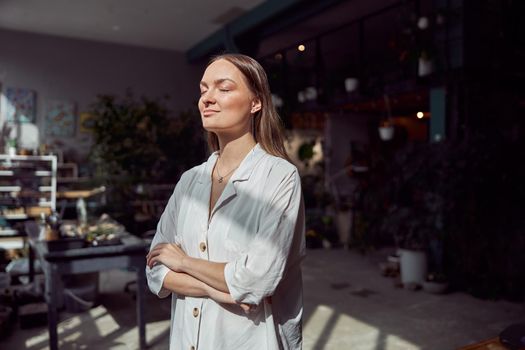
<point x="126" y="134"/>
<point x="136" y="140"/>
<point x="458" y="200"/>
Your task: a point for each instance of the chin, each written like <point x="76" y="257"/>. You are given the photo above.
<point x="210" y="125"/>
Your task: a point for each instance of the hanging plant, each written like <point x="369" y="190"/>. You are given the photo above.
<point x="306" y="152"/>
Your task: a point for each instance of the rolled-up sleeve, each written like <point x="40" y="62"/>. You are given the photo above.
<point x="166" y="233"/>
<point x="257" y="272"/>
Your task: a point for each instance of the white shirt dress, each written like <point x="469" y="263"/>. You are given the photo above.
<point x="257" y="229"/>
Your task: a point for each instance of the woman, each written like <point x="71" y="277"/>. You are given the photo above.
<point x="229" y="244"/>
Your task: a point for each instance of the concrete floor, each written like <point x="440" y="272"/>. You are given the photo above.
<point x="348" y="305"/>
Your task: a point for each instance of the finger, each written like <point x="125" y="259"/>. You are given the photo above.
<point x="245" y="308"/>
<point x="154" y="261"/>
<point x="152" y="255"/>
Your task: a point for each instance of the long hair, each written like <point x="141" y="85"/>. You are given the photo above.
<point x="267" y="125"/>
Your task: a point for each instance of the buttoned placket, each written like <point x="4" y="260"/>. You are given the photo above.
<point x="197" y="308"/>
<point x="229" y="191"/>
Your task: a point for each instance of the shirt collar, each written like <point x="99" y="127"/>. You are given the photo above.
<point x="244" y="170"/>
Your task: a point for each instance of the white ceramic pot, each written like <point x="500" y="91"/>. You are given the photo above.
<point x="425" y="67"/>
<point x="351" y="84"/>
<point x="344" y="225"/>
<point x="413" y="265"/>
<point x="386" y="133"/>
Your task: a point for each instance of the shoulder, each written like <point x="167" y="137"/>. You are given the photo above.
<point x="279" y="169"/>
<point x="189" y="178"/>
<point x="280" y="165"/>
<point x="192" y="174"/>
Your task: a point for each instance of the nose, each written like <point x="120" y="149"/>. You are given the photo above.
<point x="208" y="97"/>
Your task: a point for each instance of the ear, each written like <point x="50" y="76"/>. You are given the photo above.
<point x="256" y="106"/>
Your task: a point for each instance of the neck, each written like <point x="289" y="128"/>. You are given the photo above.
<point x="233" y="150"/>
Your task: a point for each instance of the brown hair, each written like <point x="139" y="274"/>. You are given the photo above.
<point x="268" y="128"/>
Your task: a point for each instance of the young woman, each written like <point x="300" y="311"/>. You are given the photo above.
<point x="230" y="242"/>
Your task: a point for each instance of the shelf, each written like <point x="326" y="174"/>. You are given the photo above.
<point x="31" y="182"/>
<point x="14" y="216"/>
<point x="8" y="232"/>
<point x="10" y="188"/>
<point x="41" y="173"/>
<point x="8" y="242"/>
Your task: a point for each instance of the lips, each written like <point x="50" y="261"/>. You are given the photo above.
<point x="209" y="112"/>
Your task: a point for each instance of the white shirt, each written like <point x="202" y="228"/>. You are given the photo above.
<point x="257" y="228"/>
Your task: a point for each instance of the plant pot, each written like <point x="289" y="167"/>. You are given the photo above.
<point x="351" y="84"/>
<point x="413" y="266"/>
<point x="435" y="287"/>
<point x="344" y="224"/>
<point x="386" y="133"/>
<point x="425" y="67"/>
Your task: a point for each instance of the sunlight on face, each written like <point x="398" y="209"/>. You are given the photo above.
<point x="226" y="101"/>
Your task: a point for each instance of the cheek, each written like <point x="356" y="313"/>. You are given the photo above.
<point x="236" y="103"/>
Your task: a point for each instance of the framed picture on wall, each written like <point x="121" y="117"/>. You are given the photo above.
<point x="60" y="118"/>
<point x="86" y="122"/>
<point x="19" y="105"/>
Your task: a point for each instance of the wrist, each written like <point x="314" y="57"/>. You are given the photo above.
<point x="210" y="292"/>
<point x="184" y="264"/>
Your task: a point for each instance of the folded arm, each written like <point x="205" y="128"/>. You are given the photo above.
<point x="162" y="257"/>
<point x="255" y="274"/>
<point x="184" y="284"/>
<point x="202" y="273"/>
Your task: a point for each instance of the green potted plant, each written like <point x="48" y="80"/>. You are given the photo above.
<point x="137" y="141"/>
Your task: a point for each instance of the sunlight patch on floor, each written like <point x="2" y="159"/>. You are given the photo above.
<point x="328" y="329"/>
<point x="104" y="322"/>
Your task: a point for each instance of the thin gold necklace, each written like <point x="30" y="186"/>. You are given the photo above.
<point x="221" y="177"/>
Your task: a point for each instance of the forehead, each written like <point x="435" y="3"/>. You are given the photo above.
<point x="222" y="69"/>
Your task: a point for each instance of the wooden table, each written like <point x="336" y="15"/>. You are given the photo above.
<point x="490" y="344"/>
<point x="130" y="254"/>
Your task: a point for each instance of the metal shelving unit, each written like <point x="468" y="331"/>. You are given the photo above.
<point x="28" y="186"/>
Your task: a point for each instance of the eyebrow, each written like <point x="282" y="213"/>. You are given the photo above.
<point x="218" y="81"/>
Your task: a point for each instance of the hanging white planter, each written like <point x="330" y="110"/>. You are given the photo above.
<point x="300" y="97"/>
<point x="351" y="84"/>
<point x="386" y="133"/>
<point x="425" y="67"/>
<point x="413" y="265"/>
<point x="310" y="93"/>
<point x="277" y="101"/>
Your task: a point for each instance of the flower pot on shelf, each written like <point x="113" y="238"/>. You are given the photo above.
<point x="413" y="265"/>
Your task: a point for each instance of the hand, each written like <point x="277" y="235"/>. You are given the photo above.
<point x="169" y="254"/>
<point x="248" y="308"/>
